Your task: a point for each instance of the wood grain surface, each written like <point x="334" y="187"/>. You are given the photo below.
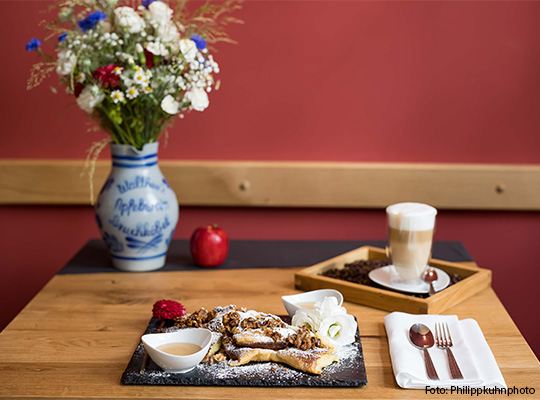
<point x="291" y="184"/>
<point x="474" y="280"/>
<point x="75" y="338"/>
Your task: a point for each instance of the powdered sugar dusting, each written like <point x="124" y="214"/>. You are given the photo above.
<point x="349" y="371"/>
<point x="350" y="358"/>
<point x="255" y="335"/>
<point x="268" y="373"/>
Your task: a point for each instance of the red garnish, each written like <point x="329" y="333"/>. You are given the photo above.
<point x="168" y="309"/>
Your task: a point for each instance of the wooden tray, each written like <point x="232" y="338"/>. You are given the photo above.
<point x="473" y="281"/>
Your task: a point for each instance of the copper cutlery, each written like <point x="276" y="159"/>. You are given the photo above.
<point x="430" y="276"/>
<point x="422" y="338"/>
<point x="444" y="341"/>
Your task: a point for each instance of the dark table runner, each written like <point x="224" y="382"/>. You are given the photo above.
<point x="94" y="256"/>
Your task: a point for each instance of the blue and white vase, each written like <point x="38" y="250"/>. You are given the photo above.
<point x="136" y="210"/>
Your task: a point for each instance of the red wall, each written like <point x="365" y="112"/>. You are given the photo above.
<point x="315" y="80"/>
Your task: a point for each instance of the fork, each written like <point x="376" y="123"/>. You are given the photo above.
<point x="444" y="341"/>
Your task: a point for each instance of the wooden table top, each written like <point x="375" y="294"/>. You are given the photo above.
<point x="75" y="338"/>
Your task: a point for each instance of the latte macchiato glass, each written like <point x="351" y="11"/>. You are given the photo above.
<point x="410" y="237"/>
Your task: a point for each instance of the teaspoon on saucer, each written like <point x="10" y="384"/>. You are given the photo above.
<point x="422" y="338"/>
<point x="430" y="276"/>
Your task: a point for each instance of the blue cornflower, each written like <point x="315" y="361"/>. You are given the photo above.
<point x="199" y="41"/>
<point x="146" y="3"/>
<point x="33" y="44"/>
<point x="62" y="37"/>
<point x="91" y="21"/>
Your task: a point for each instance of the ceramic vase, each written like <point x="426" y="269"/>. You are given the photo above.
<point x="136" y="210"/>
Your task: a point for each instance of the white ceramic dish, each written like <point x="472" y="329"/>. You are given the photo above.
<point x="178" y="364"/>
<point x="291" y="302"/>
<point x="388" y="277"/>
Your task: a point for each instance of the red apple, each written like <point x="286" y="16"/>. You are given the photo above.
<point x="209" y="246"/>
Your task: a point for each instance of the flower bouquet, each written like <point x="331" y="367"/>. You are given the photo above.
<point x="133" y="67"/>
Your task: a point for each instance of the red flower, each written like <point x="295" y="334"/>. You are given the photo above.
<point x="78" y="89"/>
<point x="149" y="59"/>
<point x="108" y="75"/>
<point x="168" y="309"/>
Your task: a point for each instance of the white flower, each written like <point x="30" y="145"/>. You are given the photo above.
<point x="157" y="48"/>
<point x="139" y="48"/>
<point x="159" y="12"/>
<point x="141" y="77"/>
<point x="169" y="35"/>
<point x="199" y="99"/>
<point x="147" y="89"/>
<point x="328" y="319"/>
<point x="66" y="62"/>
<point x="303" y="317"/>
<point x="329" y="306"/>
<point x="180" y="82"/>
<point x="188" y="49"/>
<point x="89" y="98"/>
<point x="138" y="77"/>
<point x="117" y="96"/>
<point x="340" y="328"/>
<point x="131" y="93"/>
<point x="170" y="105"/>
<point x="128" y="18"/>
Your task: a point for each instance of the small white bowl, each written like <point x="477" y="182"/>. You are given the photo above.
<point x="178" y="364"/>
<point x="294" y="301"/>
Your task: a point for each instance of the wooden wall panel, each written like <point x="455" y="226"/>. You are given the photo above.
<point x="292" y="184"/>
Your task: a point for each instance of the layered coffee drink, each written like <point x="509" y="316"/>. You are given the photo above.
<point x="410" y="231"/>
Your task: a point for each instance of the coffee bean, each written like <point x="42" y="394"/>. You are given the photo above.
<point x="357" y="272"/>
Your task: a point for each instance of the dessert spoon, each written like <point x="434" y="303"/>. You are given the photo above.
<point x="422" y="338"/>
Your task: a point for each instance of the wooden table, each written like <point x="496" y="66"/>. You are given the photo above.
<point x="75" y="338"/>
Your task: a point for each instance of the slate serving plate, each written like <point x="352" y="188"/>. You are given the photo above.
<point x="350" y="371"/>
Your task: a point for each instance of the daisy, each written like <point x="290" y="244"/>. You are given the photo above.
<point x="117" y="96"/>
<point x="140" y="78"/>
<point x="132" y="93"/>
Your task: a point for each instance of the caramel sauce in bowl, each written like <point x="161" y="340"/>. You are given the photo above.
<point x="307" y="300"/>
<point x="179" y="348"/>
<point x="180" y="351"/>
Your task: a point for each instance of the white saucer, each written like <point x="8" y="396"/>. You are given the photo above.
<point x="388" y="277"/>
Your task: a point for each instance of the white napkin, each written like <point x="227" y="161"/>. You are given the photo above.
<point x="470" y="349"/>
